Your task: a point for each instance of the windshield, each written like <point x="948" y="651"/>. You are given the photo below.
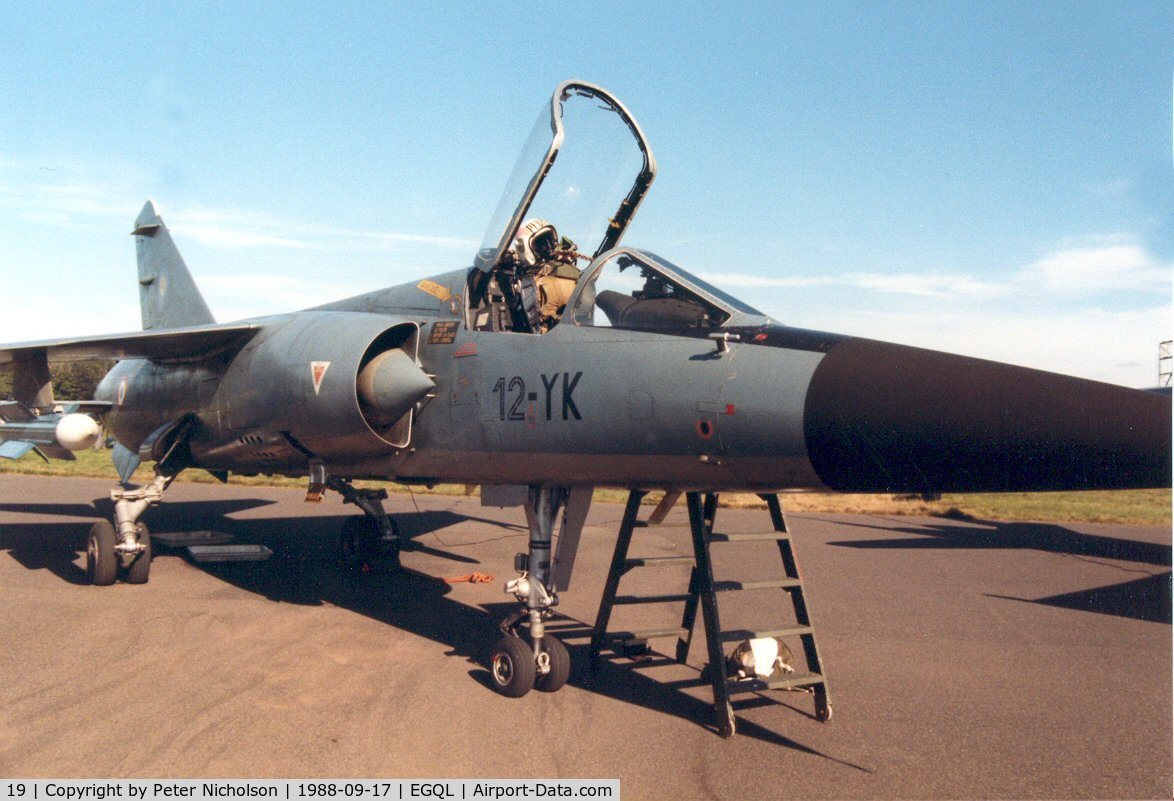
<point x="584" y="169"/>
<point x="634" y="289"/>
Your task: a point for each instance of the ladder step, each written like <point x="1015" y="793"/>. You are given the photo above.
<point x="750" y="536"/>
<point x="727" y="586"/>
<point x="647" y="634"/>
<point x="637" y="644"/>
<point x="658" y="561"/>
<point x="684" y="684"/>
<point x="787" y="682"/>
<point x="651" y="599"/>
<point x="737" y="635"/>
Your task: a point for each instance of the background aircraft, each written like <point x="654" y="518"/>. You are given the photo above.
<point x="515" y="373"/>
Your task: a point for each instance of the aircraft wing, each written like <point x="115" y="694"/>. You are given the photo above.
<point x="167" y="344"/>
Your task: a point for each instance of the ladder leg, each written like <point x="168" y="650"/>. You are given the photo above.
<point x="613" y="577"/>
<point x="823" y="709"/>
<point x="689" y="617"/>
<point x="663" y="508"/>
<point x="700" y="524"/>
<point x="777" y="519"/>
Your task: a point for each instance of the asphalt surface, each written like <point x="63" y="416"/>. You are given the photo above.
<point x="966" y="659"/>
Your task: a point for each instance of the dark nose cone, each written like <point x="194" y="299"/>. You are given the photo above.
<point x="889" y="418"/>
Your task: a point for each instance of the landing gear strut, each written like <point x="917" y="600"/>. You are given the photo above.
<point x="520" y="661"/>
<point x="374" y="535"/>
<point x="126" y="545"/>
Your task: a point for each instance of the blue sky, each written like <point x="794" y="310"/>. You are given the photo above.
<point x="989" y="179"/>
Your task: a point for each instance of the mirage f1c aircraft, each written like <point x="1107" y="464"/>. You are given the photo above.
<point x="559" y="361"/>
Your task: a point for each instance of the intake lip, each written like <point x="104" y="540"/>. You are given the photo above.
<point x="880" y="417"/>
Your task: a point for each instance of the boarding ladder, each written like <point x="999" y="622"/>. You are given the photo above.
<point x="703" y="592"/>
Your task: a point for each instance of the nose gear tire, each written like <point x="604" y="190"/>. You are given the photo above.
<point x="101" y="563"/>
<point x="560" y="665"/>
<point x="140" y="569"/>
<point x="512" y="668"/>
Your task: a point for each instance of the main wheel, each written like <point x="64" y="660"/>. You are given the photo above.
<point x="511" y="663"/>
<point x="140" y="569"/>
<point x="352" y="542"/>
<point x="386" y="549"/>
<point x="560" y="665"/>
<point x="101" y="563"/>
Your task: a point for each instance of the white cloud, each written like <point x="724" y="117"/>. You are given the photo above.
<point x="917" y="284"/>
<point x="745" y="281"/>
<point x="237" y="228"/>
<point x="92" y="198"/>
<point x="48" y="318"/>
<point x="1109" y="263"/>
<point x="1112" y="267"/>
<point x="232" y="297"/>
<point x="1118" y="347"/>
<point x="1095" y="308"/>
<point x="231" y="238"/>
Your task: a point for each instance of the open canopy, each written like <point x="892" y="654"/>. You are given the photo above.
<point x="604" y="167"/>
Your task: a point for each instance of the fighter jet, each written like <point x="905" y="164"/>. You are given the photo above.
<point x="559" y="360"/>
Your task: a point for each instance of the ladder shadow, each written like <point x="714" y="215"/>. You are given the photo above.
<point x="629" y="685"/>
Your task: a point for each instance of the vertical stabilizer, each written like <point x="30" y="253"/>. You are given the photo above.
<point x="167" y="293"/>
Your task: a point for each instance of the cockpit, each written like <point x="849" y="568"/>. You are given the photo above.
<point x="551" y="254"/>
<point x="634" y="289"/>
<point x="581" y="176"/>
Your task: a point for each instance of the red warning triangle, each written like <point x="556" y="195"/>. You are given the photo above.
<point x="317" y="371"/>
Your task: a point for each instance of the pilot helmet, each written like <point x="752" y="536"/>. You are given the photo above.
<point x="535" y="242"/>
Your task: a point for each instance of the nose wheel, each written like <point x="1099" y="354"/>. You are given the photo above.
<point x="511" y="662"/>
<point x="516" y="668"/>
<point x="559" y="662"/>
<point x="527" y="657"/>
<point x="101" y="563"/>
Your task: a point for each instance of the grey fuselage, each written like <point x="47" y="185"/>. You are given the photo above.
<point x="584" y="405"/>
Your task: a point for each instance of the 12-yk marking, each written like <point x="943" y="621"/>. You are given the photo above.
<point x="512" y="396"/>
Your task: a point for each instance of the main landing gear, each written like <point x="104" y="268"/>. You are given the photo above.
<point x="125" y="546"/>
<point x="370" y="537"/>
<point x="523" y="659"/>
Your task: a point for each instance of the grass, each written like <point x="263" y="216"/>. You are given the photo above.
<point x="1148" y="507"/>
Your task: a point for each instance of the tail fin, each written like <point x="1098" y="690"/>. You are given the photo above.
<point x="167" y="293"/>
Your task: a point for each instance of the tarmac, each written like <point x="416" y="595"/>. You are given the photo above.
<point x="966" y="659"/>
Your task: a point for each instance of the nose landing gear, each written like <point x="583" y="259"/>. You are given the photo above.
<point x="543" y="662"/>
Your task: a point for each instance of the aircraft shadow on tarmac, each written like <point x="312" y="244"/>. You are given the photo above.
<point x="1146" y="598"/>
<point x="305" y="570"/>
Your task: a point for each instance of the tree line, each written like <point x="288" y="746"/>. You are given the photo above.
<point x="71" y="380"/>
